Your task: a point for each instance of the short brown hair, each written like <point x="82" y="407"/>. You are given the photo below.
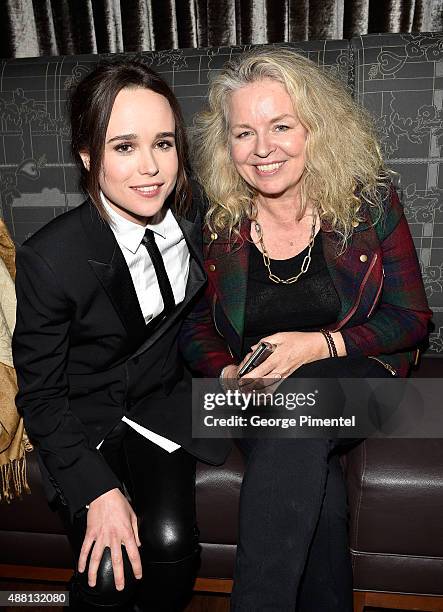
<point x="90" y="108"/>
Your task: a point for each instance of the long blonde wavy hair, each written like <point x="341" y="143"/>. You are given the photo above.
<point x="343" y="168"/>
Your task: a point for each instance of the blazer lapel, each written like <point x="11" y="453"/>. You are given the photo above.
<point x="109" y="265"/>
<point x="350" y="270"/>
<point x="196" y="280"/>
<point x="227" y="267"/>
<point x="192" y="231"/>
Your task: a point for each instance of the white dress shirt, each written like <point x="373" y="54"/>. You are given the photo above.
<point x="175" y="253"/>
<point x="173" y="248"/>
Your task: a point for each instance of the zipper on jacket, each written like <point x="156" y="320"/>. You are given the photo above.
<point x="214" y="301"/>
<point x="377" y="295"/>
<point x="387" y="366"/>
<point x="416" y="357"/>
<point x="357" y="302"/>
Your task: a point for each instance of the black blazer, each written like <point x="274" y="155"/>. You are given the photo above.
<point x="84" y="356"/>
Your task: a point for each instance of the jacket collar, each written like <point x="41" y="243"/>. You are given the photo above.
<point x="227" y="264"/>
<point x="111" y="270"/>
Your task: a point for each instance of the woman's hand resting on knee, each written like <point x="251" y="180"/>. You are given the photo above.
<point x="111" y="522"/>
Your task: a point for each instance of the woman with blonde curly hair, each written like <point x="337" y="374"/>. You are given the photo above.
<point x="306" y="248"/>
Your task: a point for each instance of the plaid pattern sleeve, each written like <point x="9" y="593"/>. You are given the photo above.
<point x="400" y="320"/>
<point x="203" y="349"/>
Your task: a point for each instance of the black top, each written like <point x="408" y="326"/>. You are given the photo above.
<point x="309" y="303"/>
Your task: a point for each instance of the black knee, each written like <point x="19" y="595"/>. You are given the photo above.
<point x="104" y="592"/>
<point x="167" y="540"/>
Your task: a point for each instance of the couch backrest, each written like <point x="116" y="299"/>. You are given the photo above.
<point x="398" y="77"/>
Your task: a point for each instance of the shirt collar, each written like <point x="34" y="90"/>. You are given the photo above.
<point x="128" y="233"/>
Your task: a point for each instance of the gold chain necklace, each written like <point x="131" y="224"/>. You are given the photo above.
<point x="267" y="260"/>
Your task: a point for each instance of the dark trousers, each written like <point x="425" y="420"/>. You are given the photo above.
<point x="293" y="543"/>
<point x="161" y="488"/>
<point x="293" y="552"/>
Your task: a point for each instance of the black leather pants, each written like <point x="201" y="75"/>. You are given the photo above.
<point x="161" y="490"/>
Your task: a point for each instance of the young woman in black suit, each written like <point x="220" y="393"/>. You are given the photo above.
<point x="102" y="292"/>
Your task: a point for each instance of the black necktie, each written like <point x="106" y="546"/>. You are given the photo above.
<point x="160" y="270"/>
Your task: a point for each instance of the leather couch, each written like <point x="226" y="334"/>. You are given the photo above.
<point x="395" y="486"/>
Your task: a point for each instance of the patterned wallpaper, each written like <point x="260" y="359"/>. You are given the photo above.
<point x="398" y="77"/>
